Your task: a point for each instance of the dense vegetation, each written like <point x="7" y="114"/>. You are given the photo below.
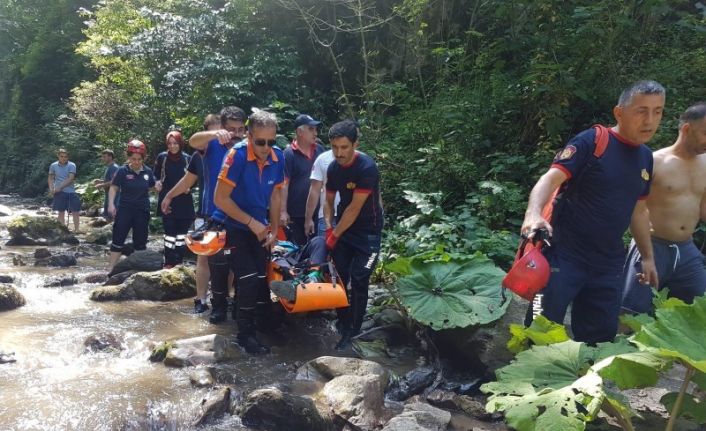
<point x="462" y="102"/>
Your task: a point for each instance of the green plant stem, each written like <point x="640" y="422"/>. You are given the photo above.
<point x="680" y="398"/>
<point x="625" y="425"/>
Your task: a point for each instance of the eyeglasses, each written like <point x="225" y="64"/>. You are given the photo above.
<point x="263" y="142"/>
<point x="238" y="130"/>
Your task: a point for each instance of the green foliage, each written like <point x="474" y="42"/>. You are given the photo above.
<point x="692" y="407"/>
<point x="453" y="294"/>
<point x="541" y="332"/>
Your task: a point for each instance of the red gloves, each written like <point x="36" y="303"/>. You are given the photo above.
<point x="331" y="239"/>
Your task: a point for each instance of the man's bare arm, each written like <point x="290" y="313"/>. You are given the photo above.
<point x="540" y="195"/>
<point x="640" y="229"/>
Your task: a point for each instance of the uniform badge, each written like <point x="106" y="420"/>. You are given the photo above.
<point x="129" y="176"/>
<point x="350" y="186"/>
<point x="567" y="153"/>
<point x="645" y="175"/>
<point x="146" y="177"/>
<point x="228" y="161"/>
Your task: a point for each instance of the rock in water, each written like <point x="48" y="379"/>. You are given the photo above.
<point x="7" y="357"/>
<point x="42" y="253"/>
<point x="27" y="230"/>
<point x="61" y="260"/>
<point x="163" y="285"/>
<point x="102" y="342"/>
<point x="419" y="416"/>
<point x="325" y="368"/>
<point x="201" y="377"/>
<point x="213" y="406"/>
<point x="142" y="260"/>
<point x="270" y="408"/>
<point x="101" y="236"/>
<point x="357" y="400"/>
<point x="10" y="298"/>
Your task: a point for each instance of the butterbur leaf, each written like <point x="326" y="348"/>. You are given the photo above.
<point x="700" y="380"/>
<point x="632" y="370"/>
<point x="454" y="294"/>
<point x="541" y="332"/>
<point x="635" y="321"/>
<point x="678" y="333"/>
<point x="619" y="406"/>
<point x="691" y="407"/>
<point x="661" y="300"/>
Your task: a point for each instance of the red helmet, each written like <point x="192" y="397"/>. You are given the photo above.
<point x="136" y="146"/>
<point x="530" y="272"/>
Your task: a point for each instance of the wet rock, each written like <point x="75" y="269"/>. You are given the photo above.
<point x="95" y="277"/>
<point x="7" y="279"/>
<point x="355" y="400"/>
<point x="414" y="382"/>
<point x="201" y="377"/>
<point x="5" y="211"/>
<point x="160" y="351"/>
<point x="103" y="342"/>
<point x="163" y="285"/>
<point x="10" y="298"/>
<point x="325" y="368"/>
<point x="272" y="409"/>
<point x="204" y="350"/>
<point x="442" y="399"/>
<point x="98" y="222"/>
<point x="61" y="281"/>
<point x="93" y="211"/>
<point x="18" y="260"/>
<point x="27" y="230"/>
<point x="118" y="278"/>
<point x="101" y="236"/>
<point x="142" y="260"/>
<point x="419" y="416"/>
<point x="7" y="357"/>
<point x="452" y="401"/>
<point x="213" y="406"/>
<point x="61" y="260"/>
<point x="42" y="253"/>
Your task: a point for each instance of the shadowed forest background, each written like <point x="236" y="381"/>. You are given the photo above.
<point x="461" y="102"/>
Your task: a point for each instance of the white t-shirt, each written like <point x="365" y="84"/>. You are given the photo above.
<point x="318" y="172"/>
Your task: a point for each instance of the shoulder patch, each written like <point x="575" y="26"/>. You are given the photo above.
<point x="350" y="186"/>
<point x="645" y="175"/>
<point x="567" y="153"/>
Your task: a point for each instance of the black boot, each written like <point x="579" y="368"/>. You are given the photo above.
<point x="219" y="313"/>
<point x="246" y="333"/>
<point x="199" y="307"/>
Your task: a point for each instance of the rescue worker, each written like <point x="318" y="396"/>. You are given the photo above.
<point x="354" y="242"/>
<point x="133" y="180"/>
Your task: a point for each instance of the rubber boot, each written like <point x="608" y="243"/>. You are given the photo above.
<point x="219" y="311"/>
<point x="246" y="333"/>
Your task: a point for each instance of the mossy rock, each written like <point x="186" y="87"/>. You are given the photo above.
<point x="163" y="285"/>
<point x="43" y="230"/>
<point x="10" y="298"/>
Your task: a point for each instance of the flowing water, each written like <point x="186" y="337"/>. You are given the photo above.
<point x="56" y="385"/>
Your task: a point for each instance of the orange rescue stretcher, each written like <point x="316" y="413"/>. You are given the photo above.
<point x="311" y="296"/>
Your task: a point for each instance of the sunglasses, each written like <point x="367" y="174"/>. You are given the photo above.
<point x="263" y="142"/>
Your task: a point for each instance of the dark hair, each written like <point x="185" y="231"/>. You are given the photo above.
<point x="345" y="128"/>
<point x="108" y="152"/>
<point x="232" y="113"/>
<point x="695" y="112"/>
<point x="262" y="118"/>
<point x="211" y="119"/>
<point x="640" y="87"/>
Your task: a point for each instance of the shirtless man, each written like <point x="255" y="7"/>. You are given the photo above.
<point x="676" y="203"/>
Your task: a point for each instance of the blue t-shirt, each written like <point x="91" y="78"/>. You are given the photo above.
<point x="212" y="162"/>
<point x="590" y="227"/>
<point x="253" y="183"/>
<point x="134" y="187"/>
<point x="61" y="173"/>
<point x="361" y="176"/>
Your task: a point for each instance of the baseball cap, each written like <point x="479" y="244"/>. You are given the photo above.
<point x="305" y="119"/>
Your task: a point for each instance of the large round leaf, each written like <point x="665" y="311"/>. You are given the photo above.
<point x="678" y="332"/>
<point x="454" y="294"/>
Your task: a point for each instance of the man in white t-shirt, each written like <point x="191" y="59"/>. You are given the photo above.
<point x="318" y="182"/>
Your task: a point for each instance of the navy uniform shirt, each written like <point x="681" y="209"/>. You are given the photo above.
<point x="253" y="183"/>
<point x="591" y="225"/>
<point x="361" y="176"/>
<point x="297" y="168"/>
<point x="134" y="187"/>
<point x="170" y="171"/>
<point x="196" y="168"/>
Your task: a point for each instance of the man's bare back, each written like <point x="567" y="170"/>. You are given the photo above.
<point x="676" y="195"/>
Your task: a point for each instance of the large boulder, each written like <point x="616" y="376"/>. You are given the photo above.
<point x="27" y="230"/>
<point x="142" y="260"/>
<point x="101" y="235"/>
<point x="163" y="285"/>
<point x="418" y="416"/>
<point x="272" y="409"/>
<point x="357" y="401"/>
<point x="325" y="368"/>
<point x="10" y="298"/>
